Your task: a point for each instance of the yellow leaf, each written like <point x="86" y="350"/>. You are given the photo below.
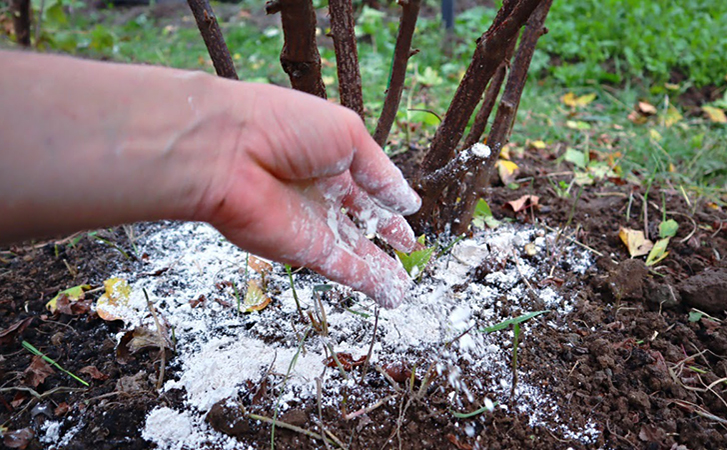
<point x="507" y="171"/>
<point x="255" y="298"/>
<point x="672" y="86"/>
<point x="538" y="144"/>
<point x="571" y="100"/>
<point x="716" y="115"/>
<point x="672" y="116"/>
<point x="655" y="135"/>
<point x="635" y="241"/>
<point x="74" y="294"/>
<point x="658" y="252"/>
<point x="577" y="125"/>
<point x="112" y="305"/>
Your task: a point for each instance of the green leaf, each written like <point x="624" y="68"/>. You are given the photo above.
<point x="74" y="293"/>
<point x="658" y="252"/>
<point x="483" y="216"/>
<point x="668" y="228"/>
<point x="576" y="157"/>
<point x="517" y="320"/>
<point x="415" y="262"/>
<point x="476" y="412"/>
<point x="695" y="316"/>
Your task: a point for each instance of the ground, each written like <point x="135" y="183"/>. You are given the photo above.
<point x="626" y="356"/>
<point x="621" y="363"/>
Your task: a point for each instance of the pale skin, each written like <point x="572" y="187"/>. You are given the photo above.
<point x="88" y="144"/>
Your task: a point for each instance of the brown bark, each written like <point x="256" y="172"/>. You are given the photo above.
<point x="213" y="39"/>
<point x="489" y="53"/>
<point x="488" y="104"/>
<point x="402" y="52"/>
<point x="300" y="58"/>
<point x="506" y="111"/>
<point x="344" y="42"/>
<point x="20" y="10"/>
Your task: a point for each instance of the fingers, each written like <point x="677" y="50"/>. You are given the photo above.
<point x="380" y="178"/>
<point x="289" y="224"/>
<point x="392" y="228"/>
<point x="303" y="137"/>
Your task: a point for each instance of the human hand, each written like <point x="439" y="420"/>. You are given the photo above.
<point x="279" y="192"/>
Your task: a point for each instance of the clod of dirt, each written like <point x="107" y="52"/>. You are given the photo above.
<point x="228" y="416"/>
<point x="706" y="291"/>
<point x="626" y="282"/>
<point x="296" y="417"/>
<point x="662" y="294"/>
<point x="133" y="384"/>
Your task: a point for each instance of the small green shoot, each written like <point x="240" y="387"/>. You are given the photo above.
<point x="489" y="407"/>
<point x="516" y="320"/>
<point x="483" y="216"/>
<point x="295" y="294"/>
<point x="695" y="316"/>
<point x="28" y="346"/>
<point x="285" y="382"/>
<point x="415" y="262"/>
<point x="451" y="245"/>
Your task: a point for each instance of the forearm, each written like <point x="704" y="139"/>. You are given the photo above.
<point x="89" y="144"/>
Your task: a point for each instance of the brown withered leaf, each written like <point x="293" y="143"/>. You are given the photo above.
<point x="524" y="202"/>
<point x="62" y="409"/>
<point x="8" y="335"/>
<point x="398" y="371"/>
<point x="143" y="337"/>
<point x="346" y="359"/>
<point x="651" y="433"/>
<point x="94" y="373"/>
<point x="635" y="242"/>
<point x="18" y="438"/>
<point x="66" y="305"/>
<point x="459" y="445"/>
<point x="259" y="266"/>
<point x="37" y="372"/>
<point x="18" y="399"/>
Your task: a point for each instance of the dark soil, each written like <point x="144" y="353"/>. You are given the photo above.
<point x="632" y="360"/>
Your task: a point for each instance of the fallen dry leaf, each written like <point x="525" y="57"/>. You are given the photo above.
<point x="18" y="438"/>
<point x="143" y="337"/>
<point x="72" y="294"/>
<point x="8" y="335"/>
<point x="636" y="118"/>
<point x="459" y="445"/>
<point x="94" y="373"/>
<point x="112" y="305"/>
<point x="255" y="298"/>
<point x="715" y="115"/>
<point x="646" y="108"/>
<point x="346" y="359"/>
<point x="524" y="202"/>
<point x="37" y="372"/>
<point x="259" y="266"/>
<point x="398" y="371"/>
<point x="635" y="241"/>
<point x="507" y="171"/>
<point x="66" y="305"/>
<point x="62" y="409"/>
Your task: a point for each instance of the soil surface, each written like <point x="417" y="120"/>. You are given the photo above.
<point x="641" y="356"/>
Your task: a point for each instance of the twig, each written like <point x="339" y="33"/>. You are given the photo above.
<point x="365" y="367"/>
<point x="575" y="241"/>
<point x="288" y="426"/>
<point x="368" y="409"/>
<point x="162" y="348"/>
<point x="407" y="24"/>
<point x="213" y="39"/>
<point x="347" y="66"/>
<point x="319" y="396"/>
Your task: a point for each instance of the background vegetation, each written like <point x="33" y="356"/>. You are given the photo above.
<point x="611" y="54"/>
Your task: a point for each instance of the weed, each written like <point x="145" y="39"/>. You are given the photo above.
<point x="28" y="346"/>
